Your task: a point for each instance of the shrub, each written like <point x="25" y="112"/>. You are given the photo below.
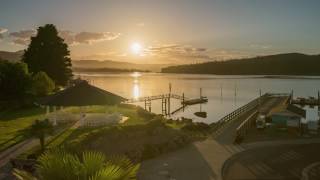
<point x="128" y="106"/>
<point x="15" y="82"/>
<point x="150" y="151"/>
<point x="199" y="126"/>
<point x="145" y="114"/>
<point x="170" y="121"/>
<point x="186" y="120"/>
<point x="59" y="164"/>
<point x="42" y="84"/>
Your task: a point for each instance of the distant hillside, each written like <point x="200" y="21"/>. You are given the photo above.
<point x="281" y="64"/>
<point x="90" y="65"/>
<point x="95" y="64"/>
<point x="107" y="70"/>
<point x="11" y="56"/>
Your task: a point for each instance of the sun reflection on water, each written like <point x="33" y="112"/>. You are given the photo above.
<point x="136" y="91"/>
<point x="135" y="74"/>
<point x="136" y="86"/>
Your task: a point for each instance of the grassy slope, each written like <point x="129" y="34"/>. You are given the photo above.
<point x="14" y="122"/>
<point x="134" y="119"/>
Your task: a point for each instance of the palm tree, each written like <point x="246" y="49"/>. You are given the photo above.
<point x="58" y="164"/>
<point x="41" y="129"/>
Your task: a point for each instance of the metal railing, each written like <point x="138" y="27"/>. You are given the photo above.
<point x="238" y="112"/>
<point x="156" y="97"/>
<point x="246" y="125"/>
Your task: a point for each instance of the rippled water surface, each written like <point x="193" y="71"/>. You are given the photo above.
<point x="225" y="93"/>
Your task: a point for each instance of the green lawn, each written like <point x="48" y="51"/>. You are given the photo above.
<point x="131" y="112"/>
<point x="13" y="124"/>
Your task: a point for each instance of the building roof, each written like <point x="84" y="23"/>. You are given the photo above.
<point x="82" y="94"/>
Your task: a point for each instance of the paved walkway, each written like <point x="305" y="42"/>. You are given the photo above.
<point x="22" y="147"/>
<point x="286" y="161"/>
<point x="201" y="160"/>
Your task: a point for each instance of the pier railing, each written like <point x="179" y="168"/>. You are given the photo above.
<point x="245" y="125"/>
<point x="238" y="112"/>
<point x="249" y="122"/>
<point x="150" y="98"/>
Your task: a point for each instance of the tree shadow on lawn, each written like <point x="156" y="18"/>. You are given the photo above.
<point x="20" y="113"/>
<point x="20" y="135"/>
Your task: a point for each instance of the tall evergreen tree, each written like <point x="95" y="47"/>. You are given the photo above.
<point x="47" y="52"/>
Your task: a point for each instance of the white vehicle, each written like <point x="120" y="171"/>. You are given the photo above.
<point x="261" y="121"/>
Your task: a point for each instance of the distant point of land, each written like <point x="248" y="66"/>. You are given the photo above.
<point x="277" y="65"/>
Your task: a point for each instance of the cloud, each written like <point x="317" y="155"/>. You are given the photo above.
<point x="68" y="36"/>
<point x="227" y="54"/>
<point x="73" y="38"/>
<point x="2" y="30"/>
<point x="22" y="37"/>
<point x="183" y="53"/>
<point x="177" y="51"/>
<point x="100" y="56"/>
<point x="23" y="34"/>
<point x="91" y="37"/>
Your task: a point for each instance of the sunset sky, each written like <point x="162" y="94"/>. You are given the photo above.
<point x="167" y="31"/>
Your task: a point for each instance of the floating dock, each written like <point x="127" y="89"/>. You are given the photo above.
<point x="195" y="101"/>
<point x="311" y="101"/>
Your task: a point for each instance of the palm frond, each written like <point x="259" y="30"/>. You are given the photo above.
<point x="23" y="175"/>
<point x="93" y="162"/>
<point x="130" y="169"/>
<point x="111" y="172"/>
<point x="58" y="164"/>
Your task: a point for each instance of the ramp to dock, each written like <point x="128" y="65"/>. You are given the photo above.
<point x="206" y="157"/>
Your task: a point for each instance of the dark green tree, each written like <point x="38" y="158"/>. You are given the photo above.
<point x="15" y="81"/>
<point x="49" y="53"/>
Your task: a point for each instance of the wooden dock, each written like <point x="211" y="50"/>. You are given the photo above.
<point x="236" y="124"/>
<point x="166" y="102"/>
<point x="306" y="101"/>
<point x="309" y="101"/>
<point x="157" y="97"/>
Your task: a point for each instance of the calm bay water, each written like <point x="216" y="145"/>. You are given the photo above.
<point x="225" y="93"/>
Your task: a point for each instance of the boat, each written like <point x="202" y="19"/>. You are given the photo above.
<point x="201" y="114"/>
<point x="195" y="101"/>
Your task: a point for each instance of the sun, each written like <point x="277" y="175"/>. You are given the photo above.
<point x="136" y="48"/>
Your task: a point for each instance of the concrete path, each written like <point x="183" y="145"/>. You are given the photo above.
<point x="284" y="162"/>
<point x="199" y="161"/>
<point x="22" y="147"/>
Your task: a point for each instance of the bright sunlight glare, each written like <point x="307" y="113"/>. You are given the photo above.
<point x="136" y="48"/>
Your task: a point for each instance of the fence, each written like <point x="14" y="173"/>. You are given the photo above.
<point x="100" y="119"/>
<point x="245" y="125"/>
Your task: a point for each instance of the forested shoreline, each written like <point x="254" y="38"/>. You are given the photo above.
<point x="281" y="64"/>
